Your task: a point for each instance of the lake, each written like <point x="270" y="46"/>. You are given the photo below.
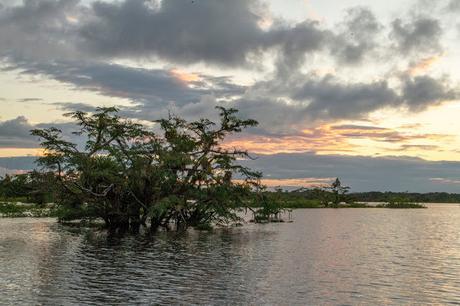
<point x="326" y="257"/>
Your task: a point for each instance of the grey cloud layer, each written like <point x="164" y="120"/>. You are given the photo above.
<point x="358" y="36"/>
<point x="364" y="173"/>
<point x="223" y="34"/>
<point x="419" y="35"/>
<point x="214" y="32"/>
<point x="40" y="29"/>
<point x="181" y="31"/>
<point x="15" y="133"/>
<point x="156" y="91"/>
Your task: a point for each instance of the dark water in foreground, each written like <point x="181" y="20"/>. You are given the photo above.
<point x="327" y="256"/>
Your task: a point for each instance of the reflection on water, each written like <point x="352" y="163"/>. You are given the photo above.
<point x="327" y="256"/>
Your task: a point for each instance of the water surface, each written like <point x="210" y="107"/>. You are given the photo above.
<point x="327" y="256"/>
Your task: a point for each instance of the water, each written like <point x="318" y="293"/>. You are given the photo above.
<point x="326" y="257"/>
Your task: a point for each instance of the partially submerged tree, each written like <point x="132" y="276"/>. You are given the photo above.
<point x="130" y="176"/>
<point x="338" y="192"/>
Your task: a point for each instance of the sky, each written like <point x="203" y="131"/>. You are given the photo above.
<point x="362" y="90"/>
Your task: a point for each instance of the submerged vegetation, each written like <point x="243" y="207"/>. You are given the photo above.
<point x="15" y="210"/>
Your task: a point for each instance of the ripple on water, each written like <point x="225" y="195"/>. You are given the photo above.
<point x="355" y="256"/>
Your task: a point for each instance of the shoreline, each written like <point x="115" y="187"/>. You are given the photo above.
<point x="31" y="210"/>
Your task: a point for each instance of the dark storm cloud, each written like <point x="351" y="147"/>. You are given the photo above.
<point x="422" y="34"/>
<point x="363" y="173"/>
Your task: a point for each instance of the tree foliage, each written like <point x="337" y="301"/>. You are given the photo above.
<point x="129" y="175"/>
<point x="34" y="186"/>
<point x="337" y="192"/>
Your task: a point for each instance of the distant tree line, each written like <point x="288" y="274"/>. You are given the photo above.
<point x="33" y="187"/>
<point x="430" y="197"/>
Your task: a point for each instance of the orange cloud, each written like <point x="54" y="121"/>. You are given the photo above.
<point x="184" y="77"/>
<point x="346" y="139"/>
<point x="12" y="152"/>
<point x="298" y="182"/>
<point x="307" y="182"/>
<point x="424" y="65"/>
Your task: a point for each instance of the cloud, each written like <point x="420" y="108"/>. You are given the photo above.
<point x="25" y="100"/>
<point x="329" y="98"/>
<point x="357" y="127"/>
<point x="453" y="6"/>
<point x="222" y="33"/>
<point x="306" y="182"/>
<point x="362" y="173"/>
<point x="40" y="28"/>
<point x="340" y="139"/>
<point x="397" y="135"/>
<point x="15" y="133"/>
<point x="75" y="106"/>
<point x="176" y="30"/>
<point x="422" y="66"/>
<point x="226" y="34"/>
<point x="357" y="37"/>
<point x="423" y="91"/>
<point x="420" y="35"/>
<point x="419" y="147"/>
<point x="295" y="43"/>
<point x="286" y="105"/>
<point x="136" y="84"/>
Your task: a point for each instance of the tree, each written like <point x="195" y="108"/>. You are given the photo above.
<point x="130" y="176"/>
<point x="338" y="192"/>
